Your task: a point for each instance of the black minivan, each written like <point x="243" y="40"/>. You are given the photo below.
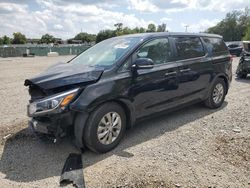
<point x="105" y="89"/>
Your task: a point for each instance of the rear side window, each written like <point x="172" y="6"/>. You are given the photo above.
<point x="215" y="45"/>
<point x="189" y="47"/>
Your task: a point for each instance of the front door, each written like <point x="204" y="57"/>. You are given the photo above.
<point x="155" y="89"/>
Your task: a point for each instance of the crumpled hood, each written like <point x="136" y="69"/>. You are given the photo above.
<point x="63" y="74"/>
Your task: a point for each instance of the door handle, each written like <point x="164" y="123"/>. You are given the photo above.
<point x="185" y="70"/>
<point x="172" y="73"/>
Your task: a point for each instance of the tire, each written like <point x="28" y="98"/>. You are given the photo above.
<point x="211" y="101"/>
<point x="90" y="134"/>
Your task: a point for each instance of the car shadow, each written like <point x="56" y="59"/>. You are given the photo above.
<point x="26" y="159"/>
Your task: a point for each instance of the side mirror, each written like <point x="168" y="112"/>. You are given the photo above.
<point x="143" y="63"/>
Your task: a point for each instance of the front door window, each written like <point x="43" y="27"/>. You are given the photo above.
<point x="158" y="50"/>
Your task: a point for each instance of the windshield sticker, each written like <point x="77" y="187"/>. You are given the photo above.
<point x="123" y="46"/>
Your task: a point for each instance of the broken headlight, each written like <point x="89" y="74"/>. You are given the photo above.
<point x="59" y="101"/>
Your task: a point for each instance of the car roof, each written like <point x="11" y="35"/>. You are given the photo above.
<point x="160" y="34"/>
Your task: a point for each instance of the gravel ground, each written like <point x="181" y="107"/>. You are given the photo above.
<point x="192" y="147"/>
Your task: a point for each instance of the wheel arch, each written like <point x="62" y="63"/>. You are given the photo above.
<point x="82" y="118"/>
<point x="225" y="80"/>
<point x="126" y="106"/>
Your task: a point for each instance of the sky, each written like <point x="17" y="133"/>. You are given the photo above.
<point x="66" y="18"/>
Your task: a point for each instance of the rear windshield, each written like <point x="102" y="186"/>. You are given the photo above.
<point x="215" y="45"/>
<point x="189" y="47"/>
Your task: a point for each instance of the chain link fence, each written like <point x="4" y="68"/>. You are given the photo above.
<point x="21" y="50"/>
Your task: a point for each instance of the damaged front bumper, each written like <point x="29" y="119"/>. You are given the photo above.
<point x="38" y="126"/>
<point x="56" y="125"/>
<point x="52" y="115"/>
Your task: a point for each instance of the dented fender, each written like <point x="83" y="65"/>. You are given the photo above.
<point x="105" y="91"/>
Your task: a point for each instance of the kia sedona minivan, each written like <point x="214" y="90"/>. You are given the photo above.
<point x="104" y="90"/>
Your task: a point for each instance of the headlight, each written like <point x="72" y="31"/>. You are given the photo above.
<point x="59" y="101"/>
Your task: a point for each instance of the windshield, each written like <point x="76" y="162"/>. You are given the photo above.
<point x="106" y="53"/>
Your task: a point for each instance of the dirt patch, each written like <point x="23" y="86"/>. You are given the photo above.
<point x="149" y="183"/>
<point x="235" y="150"/>
<point x="7" y="133"/>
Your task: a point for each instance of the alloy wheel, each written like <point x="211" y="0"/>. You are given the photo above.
<point x="218" y="93"/>
<point x="109" y="128"/>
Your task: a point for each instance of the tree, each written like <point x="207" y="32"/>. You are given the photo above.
<point x="18" y="38"/>
<point x="234" y="26"/>
<point x="85" y="37"/>
<point x="227" y="27"/>
<point x="105" y="34"/>
<point x="126" y="31"/>
<point x="6" y="40"/>
<point x="161" y="28"/>
<point x="47" y="39"/>
<point x="119" y="28"/>
<point x="142" y="30"/>
<point x="136" y="30"/>
<point x="139" y="30"/>
<point x="247" y="34"/>
<point x="151" y="28"/>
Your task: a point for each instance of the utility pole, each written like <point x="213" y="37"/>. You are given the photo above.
<point x="186" y="26"/>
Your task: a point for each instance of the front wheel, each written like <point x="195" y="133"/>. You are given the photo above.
<point x="105" y="128"/>
<point x="217" y="94"/>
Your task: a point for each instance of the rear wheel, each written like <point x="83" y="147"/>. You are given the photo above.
<point x="105" y="128"/>
<point x="217" y="94"/>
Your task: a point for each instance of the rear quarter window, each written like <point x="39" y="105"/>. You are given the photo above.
<point x="215" y="46"/>
<point x="188" y="47"/>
